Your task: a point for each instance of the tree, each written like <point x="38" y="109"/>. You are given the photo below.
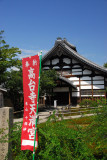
<point x="105" y="65"/>
<point x="14" y="88"/>
<point x="10" y="79"/>
<point x="7" y="58"/>
<point x="47" y="82"/>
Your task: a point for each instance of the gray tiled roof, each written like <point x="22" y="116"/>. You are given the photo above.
<point x="67" y="81"/>
<point x="84" y="60"/>
<point x="71" y="50"/>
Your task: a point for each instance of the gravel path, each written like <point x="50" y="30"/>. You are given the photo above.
<point x="43" y="116"/>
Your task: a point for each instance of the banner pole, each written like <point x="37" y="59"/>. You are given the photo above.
<point x="37" y="106"/>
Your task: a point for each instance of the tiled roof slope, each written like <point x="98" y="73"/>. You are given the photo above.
<point x="71" y="50"/>
<point x="67" y="81"/>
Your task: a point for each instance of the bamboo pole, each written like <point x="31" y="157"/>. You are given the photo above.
<point x="37" y="105"/>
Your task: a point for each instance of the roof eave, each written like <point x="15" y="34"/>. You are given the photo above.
<point x="67" y="81"/>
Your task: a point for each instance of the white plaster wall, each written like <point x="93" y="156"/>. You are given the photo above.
<point x="98" y="86"/>
<point x="98" y="95"/>
<point x="85" y="82"/>
<point x="98" y="78"/>
<point x="86" y="87"/>
<point x="56" y="67"/>
<point x="45" y="67"/>
<point x="67" y="60"/>
<point x="86" y="71"/>
<point x="93" y="95"/>
<point x="76" y="70"/>
<point x="85" y="78"/>
<point x="47" y="62"/>
<point x="75" y="66"/>
<point x="86" y="95"/>
<point x="66" y="67"/>
<point x="77" y="73"/>
<point x="98" y="82"/>
<point x="55" y="61"/>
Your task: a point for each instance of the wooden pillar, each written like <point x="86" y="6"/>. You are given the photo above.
<point x="80" y="88"/>
<point x="105" y="89"/>
<point x="69" y="96"/>
<point x="92" y="87"/>
<point x="44" y="100"/>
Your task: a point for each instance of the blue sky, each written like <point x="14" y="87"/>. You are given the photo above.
<point x="34" y="25"/>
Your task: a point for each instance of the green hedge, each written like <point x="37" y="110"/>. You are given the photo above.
<point x="93" y="103"/>
<point x="66" y="140"/>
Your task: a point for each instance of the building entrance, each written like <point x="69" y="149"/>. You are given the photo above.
<point x="62" y="98"/>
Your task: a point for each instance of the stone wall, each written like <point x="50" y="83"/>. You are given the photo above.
<point x="6" y="122"/>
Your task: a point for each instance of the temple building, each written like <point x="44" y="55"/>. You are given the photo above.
<point x="79" y="78"/>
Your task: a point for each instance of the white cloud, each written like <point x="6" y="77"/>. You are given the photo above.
<point x="28" y="52"/>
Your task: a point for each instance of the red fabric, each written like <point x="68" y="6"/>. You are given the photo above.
<point x="30" y="89"/>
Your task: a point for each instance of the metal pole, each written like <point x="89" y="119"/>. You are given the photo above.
<point x="37" y="105"/>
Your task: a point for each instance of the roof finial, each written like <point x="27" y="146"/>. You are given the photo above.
<point x="64" y="39"/>
<point x="59" y="38"/>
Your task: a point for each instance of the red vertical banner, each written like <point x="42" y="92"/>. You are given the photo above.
<point x="30" y="88"/>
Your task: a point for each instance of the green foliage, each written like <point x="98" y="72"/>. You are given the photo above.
<point x="96" y="134"/>
<point x="79" y="139"/>
<point x="105" y="65"/>
<point x="14" y="87"/>
<point x="58" y="141"/>
<point x="3" y="136"/>
<point x="15" y="134"/>
<point x="102" y="102"/>
<point x="88" y="103"/>
<point x="7" y="58"/>
<point x="10" y="79"/>
<point x="47" y="81"/>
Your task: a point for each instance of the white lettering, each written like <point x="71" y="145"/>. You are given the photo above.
<point x="34" y="62"/>
<point x="32" y="132"/>
<point x="32" y="108"/>
<point x="25" y="123"/>
<point x="31" y="74"/>
<point x="32" y="119"/>
<point x="26" y="109"/>
<point x="32" y="97"/>
<point x="31" y="85"/>
<point x="24" y="129"/>
<point x="27" y="64"/>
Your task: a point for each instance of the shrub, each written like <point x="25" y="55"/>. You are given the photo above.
<point x="93" y="104"/>
<point x="88" y="103"/>
<point x="85" y="103"/>
<point x="96" y="134"/>
<point x="56" y="142"/>
<point x="59" y="140"/>
<point x="102" y="102"/>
